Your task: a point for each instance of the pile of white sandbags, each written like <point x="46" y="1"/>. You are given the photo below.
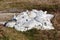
<point x="32" y="19"/>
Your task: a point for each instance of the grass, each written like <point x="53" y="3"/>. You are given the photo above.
<point x="29" y="6"/>
<point x="3" y="36"/>
<point x="35" y="34"/>
<point x="11" y="34"/>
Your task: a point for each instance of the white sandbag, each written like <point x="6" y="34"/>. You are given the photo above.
<point x="32" y="19"/>
<point x="10" y="24"/>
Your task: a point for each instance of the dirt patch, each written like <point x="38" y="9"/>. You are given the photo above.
<point x="55" y="21"/>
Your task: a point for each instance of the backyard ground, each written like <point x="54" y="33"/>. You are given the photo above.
<point x="9" y="7"/>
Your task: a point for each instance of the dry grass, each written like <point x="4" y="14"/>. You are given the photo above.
<point x="30" y="4"/>
<point x="11" y="34"/>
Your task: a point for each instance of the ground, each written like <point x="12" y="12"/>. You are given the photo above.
<point x="52" y="6"/>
